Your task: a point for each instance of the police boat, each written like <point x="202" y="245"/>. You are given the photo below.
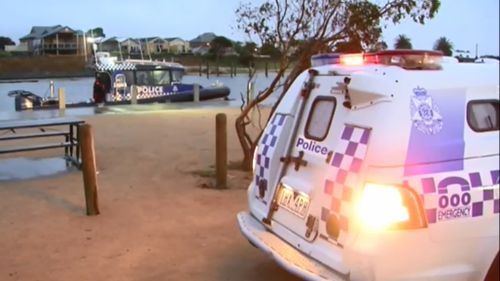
<point x="132" y="82"/>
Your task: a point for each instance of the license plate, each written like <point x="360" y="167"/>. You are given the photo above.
<point x="295" y="203"/>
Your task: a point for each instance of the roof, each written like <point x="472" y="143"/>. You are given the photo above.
<point x="170" y="39"/>
<point x="44" y="31"/>
<point x="149" y="39"/>
<point x="111" y="39"/>
<point x="204" y="38"/>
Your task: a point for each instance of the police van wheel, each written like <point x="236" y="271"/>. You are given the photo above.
<point x="493" y="273"/>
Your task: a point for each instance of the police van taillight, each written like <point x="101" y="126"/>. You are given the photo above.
<point x="407" y="59"/>
<point x="382" y="207"/>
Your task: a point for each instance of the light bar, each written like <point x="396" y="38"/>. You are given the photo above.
<point x="411" y="59"/>
<point x="352" y="59"/>
<point x="407" y="59"/>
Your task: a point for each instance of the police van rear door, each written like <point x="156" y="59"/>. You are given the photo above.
<point x="311" y="188"/>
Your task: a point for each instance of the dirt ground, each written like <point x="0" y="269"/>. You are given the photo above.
<point x="157" y="220"/>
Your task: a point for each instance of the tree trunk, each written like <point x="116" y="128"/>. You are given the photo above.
<point x="248" y="144"/>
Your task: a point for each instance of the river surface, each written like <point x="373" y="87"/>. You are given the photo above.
<point x="80" y="89"/>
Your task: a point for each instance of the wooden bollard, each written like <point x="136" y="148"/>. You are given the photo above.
<point x="61" y="99"/>
<point x="220" y="151"/>
<point x="89" y="169"/>
<point x="266" y="69"/>
<point x="208" y="71"/>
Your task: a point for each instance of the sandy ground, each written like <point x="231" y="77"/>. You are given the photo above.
<point x="157" y="221"/>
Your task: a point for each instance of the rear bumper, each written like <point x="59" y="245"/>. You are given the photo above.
<point x="408" y="256"/>
<point x="284" y="254"/>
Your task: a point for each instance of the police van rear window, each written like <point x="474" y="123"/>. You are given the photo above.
<point x="483" y="115"/>
<point x="320" y="117"/>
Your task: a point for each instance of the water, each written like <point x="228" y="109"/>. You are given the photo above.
<point x="80" y="89"/>
<point x="23" y="168"/>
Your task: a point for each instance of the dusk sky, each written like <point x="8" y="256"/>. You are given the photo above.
<point x="464" y="22"/>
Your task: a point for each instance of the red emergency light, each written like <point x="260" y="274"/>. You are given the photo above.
<point x="408" y="59"/>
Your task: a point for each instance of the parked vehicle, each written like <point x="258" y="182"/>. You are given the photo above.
<point x="381" y="166"/>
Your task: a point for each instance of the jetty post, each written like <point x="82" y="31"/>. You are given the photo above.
<point x="220" y="151"/>
<point x="133" y="98"/>
<point x="62" y="99"/>
<point x="51" y="89"/>
<point x="208" y="70"/>
<point x="196" y="94"/>
<point x="89" y="168"/>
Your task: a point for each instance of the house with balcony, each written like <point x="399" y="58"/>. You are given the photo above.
<point x="177" y="45"/>
<point x="131" y="46"/>
<point x="153" y="45"/>
<point x="56" y="40"/>
<point x="111" y="44"/>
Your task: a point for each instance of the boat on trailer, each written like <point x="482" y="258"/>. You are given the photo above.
<point x="131" y="82"/>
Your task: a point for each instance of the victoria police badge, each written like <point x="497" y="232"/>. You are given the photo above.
<point x="425" y="113"/>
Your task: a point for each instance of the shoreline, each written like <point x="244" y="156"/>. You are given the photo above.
<point x="16" y="78"/>
<point x="38" y="76"/>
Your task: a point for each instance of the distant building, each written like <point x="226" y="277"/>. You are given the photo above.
<point x="153" y="45"/>
<point x="109" y="44"/>
<point x="177" y="45"/>
<point x="131" y="46"/>
<point x="21" y="48"/>
<point x="200" y="50"/>
<point x="57" y="39"/>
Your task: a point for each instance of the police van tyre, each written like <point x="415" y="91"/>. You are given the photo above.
<point x="494" y="271"/>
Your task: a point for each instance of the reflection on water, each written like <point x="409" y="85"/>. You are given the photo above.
<point x="80" y="89"/>
<point x="22" y="168"/>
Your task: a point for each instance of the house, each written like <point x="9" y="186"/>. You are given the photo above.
<point x="109" y="44"/>
<point x="131" y="46"/>
<point x="57" y="39"/>
<point x="177" y="45"/>
<point x="153" y="45"/>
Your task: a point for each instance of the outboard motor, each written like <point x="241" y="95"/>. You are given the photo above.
<point x="25" y="100"/>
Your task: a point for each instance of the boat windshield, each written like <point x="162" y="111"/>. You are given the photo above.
<point x="153" y="77"/>
<point x="177" y="75"/>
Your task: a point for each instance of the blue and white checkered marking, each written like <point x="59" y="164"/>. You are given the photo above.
<point x="344" y="170"/>
<point x="115" y="67"/>
<point x="140" y="95"/>
<point x="461" y="195"/>
<point x="266" y="148"/>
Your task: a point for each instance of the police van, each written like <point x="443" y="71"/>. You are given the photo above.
<point x="381" y="166"/>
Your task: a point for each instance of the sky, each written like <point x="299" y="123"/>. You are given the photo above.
<point x="466" y="23"/>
